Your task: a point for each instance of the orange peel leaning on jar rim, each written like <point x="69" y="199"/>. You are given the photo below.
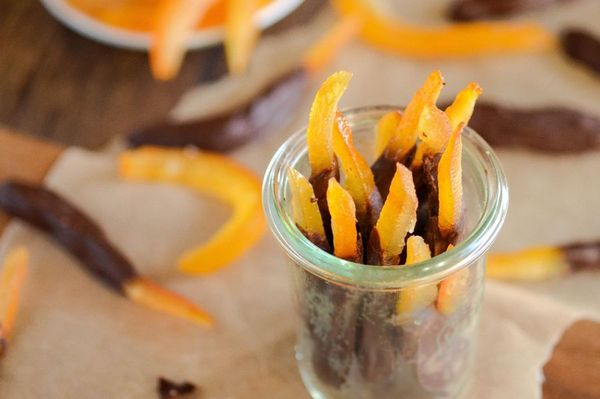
<point x="212" y="174"/>
<point x="454" y="40"/>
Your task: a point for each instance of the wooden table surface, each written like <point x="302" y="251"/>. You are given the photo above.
<point x="60" y="86"/>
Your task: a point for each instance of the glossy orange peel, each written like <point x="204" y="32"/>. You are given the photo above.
<point x="358" y="177"/>
<point x="322" y="52"/>
<point x="241" y="33"/>
<point x="461" y="109"/>
<point x="152" y="295"/>
<point x="12" y="279"/>
<point x="398" y="215"/>
<point x="319" y="133"/>
<point x="405" y="137"/>
<point x="454" y="40"/>
<point x="386" y="127"/>
<point x="532" y="264"/>
<point x="412" y="299"/>
<point x="175" y="21"/>
<point x="450" y="189"/>
<point x="434" y="132"/>
<point x="305" y="210"/>
<point x="215" y="175"/>
<point x="343" y="222"/>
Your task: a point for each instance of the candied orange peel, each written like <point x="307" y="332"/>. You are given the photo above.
<point x="175" y="21"/>
<point x="321" y="120"/>
<point x="152" y="295"/>
<point x="405" y="137"/>
<point x="532" y="264"/>
<point x="343" y="222"/>
<point x="412" y="299"/>
<point x="386" y="127"/>
<point x="322" y="52"/>
<point x="434" y="132"/>
<point x="305" y="210"/>
<point x="398" y="215"/>
<point x="241" y="33"/>
<point x="358" y="177"/>
<point x="461" y="109"/>
<point x="213" y="174"/>
<point x="12" y="279"/>
<point x="452" y="290"/>
<point x="450" y="185"/>
<point x="454" y="40"/>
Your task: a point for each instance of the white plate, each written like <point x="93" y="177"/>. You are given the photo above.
<point x="96" y="30"/>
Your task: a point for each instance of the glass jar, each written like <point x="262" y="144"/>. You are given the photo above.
<point x="355" y="337"/>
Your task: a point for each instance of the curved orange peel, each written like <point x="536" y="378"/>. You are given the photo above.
<point x="152" y="295"/>
<point x="212" y="174"/>
<point x="343" y="221"/>
<point x="454" y="40"/>
<point x="412" y="299"/>
<point x="398" y="215"/>
<point x="358" y="177"/>
<point x="319" y="133"/>
<point x="461" y="109"/>
<point x="450" y="190"/>
<point x="405" y="137"/>
<point x="305" y="210"/>
<point x="322" y="52"/>
<point x="533" y="264"/>
<point x="452" y="290"/>
<point x="241" y="33"/>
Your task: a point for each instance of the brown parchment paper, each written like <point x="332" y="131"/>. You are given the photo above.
<point x="75" y="339"/>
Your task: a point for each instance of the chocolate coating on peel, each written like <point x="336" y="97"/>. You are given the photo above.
<point x="548" y="129"/>
<point x="224" y="132"/>
<point x="467" y="10"/>
<point x="582" y="256"/>
<point x="71" y="228"/>
<point x="582" y="47"/>
<point x="320" y="183"/>
<point x="168" y="389"/>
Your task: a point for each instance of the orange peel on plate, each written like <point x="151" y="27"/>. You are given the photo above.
<point x="241" y="33"/>
<point x="532" y="264"/>
<point x="454" y="40"/>
<point x="212" y="174"/>
<point x="175" y="21"/>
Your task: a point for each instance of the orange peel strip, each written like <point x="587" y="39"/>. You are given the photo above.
<point x="398" y="215"/>
<point x="241" y="33"/>
<point x="416" y="298"/>
<point x="322" y="52"/>
<point x="434" y="132"/>
<point x="359" y="179"/>
<point x="343" y="221"/>
<point x="175" y="21"/>
<point x="386" y="127"/>
<point x="450" y="184"/>
<point x="212" y="174"/>
<point x="533" y="264"/>
<point x="405" y="136"/>
<point x="454" y="40"/>
<point x="14" y="273"/>
<point x="305" y="210"/>
<point x="319" y="133"/>
<point x="452" y="290"/>
<point x="152" y="295"/>
<point x="461" y="109"/>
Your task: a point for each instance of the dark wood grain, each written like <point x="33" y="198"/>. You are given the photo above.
<point x="57" y="84"/>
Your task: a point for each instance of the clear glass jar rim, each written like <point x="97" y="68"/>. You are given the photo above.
<point x="323" y="264"/>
